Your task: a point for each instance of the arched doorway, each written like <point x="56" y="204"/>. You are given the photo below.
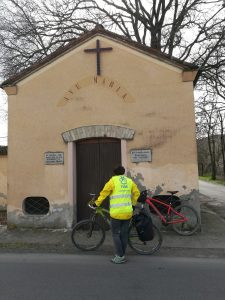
<point x="95" y="160"/>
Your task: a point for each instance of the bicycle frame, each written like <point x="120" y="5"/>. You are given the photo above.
<point x="89" y="234"/>
<point x="104" y="213"/>
<point x="150" y="201"/>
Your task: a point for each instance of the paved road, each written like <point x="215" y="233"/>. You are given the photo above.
<point x="214" y="191"/>
<point x="215" y="196"/>
<point x="90" y="277"/>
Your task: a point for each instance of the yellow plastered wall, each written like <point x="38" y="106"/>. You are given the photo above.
<point x="3" y="182"/>
<point x="134" y="91"/>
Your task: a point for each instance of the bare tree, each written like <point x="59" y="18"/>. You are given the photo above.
<point x="207" y="121"/>
<point x="210" y="112"/>
<point x="30" y="30"/>
<point x="212" y="85"/>
<point x="221" y="116"/>
<point x="191" y="30"/>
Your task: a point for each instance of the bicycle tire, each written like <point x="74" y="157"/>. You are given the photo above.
<point x="87" y="235"/>
<point x="191" y="225"/>
<point x="147" y="247"/>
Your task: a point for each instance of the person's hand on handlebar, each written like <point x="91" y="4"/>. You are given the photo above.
<point x="92" y="204"/>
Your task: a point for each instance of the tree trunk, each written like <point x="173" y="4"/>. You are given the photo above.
<point x="222" y="143"/>
<point x="211" y="144"/>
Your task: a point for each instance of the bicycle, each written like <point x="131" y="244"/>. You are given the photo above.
<point x="183" y="218"/>
<point x="89" y="234"/>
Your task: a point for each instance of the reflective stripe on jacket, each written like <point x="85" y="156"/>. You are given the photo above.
<point x="109" y="190"/>
<point x="120" y="198"/>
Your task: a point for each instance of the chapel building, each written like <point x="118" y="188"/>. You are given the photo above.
<point x="99" y="101"/>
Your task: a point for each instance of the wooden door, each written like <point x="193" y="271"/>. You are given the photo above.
<point x="96" y="159"/>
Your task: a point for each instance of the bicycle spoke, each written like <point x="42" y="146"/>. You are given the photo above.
<point x="187" y="227"/>
<point x="87" y="235"/>
<point x="144" y="247"/>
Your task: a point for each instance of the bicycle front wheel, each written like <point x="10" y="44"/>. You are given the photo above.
<point x="191" y="225"/>
<point x="87" y="235"/>
<point x="146" y="247"/>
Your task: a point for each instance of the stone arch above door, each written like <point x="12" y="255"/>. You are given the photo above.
<point x="110" y="131"/>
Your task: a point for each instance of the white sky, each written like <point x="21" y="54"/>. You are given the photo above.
<point x="3" y="118"/>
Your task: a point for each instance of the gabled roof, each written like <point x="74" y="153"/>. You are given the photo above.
<point x="98" y="30"/>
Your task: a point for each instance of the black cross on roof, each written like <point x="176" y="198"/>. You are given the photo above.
<point x="98" y="50"/>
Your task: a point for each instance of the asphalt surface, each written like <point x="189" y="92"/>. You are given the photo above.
<point x="209" y="241"/>
<point x="215" y="199"/>
<point x="66" y="277"/>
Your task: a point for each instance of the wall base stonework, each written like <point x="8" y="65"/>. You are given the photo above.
<point x="60" y="216"/>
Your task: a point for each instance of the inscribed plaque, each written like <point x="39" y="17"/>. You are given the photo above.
<point x="141" y="155"/>
<point x="54" y="158"/>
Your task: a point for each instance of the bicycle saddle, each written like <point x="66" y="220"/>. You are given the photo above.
<point x="172" y="192"/>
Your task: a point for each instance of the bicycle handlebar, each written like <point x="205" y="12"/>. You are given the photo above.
<point x="92" y="194"/>
<point x="90" y="204"/>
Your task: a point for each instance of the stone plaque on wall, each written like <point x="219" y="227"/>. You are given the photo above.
<point x="54" y="158"/>
<point x="141" y="155"/>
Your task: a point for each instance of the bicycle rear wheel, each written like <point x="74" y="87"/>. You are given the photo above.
<point x="87" y="235"/>
<point x="147" y="247"/>
<point x="191" y="225"/>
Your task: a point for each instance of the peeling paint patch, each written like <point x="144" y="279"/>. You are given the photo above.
<point x="191" y="198"/>
<point x="138" y="179"/>
<point x="158" y="190"/>
<point x="2" y="195"/>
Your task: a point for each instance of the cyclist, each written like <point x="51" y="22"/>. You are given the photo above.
<point x="123" y="194"/>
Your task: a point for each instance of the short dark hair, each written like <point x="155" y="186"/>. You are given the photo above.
<point x="119" y="170"/>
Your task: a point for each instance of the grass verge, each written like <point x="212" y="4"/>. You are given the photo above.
<point x="209" y="179"/>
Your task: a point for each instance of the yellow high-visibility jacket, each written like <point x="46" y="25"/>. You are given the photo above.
<point x="123" y="194"/>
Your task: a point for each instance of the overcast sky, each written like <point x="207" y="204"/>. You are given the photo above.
<point x="3" y="118"/>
